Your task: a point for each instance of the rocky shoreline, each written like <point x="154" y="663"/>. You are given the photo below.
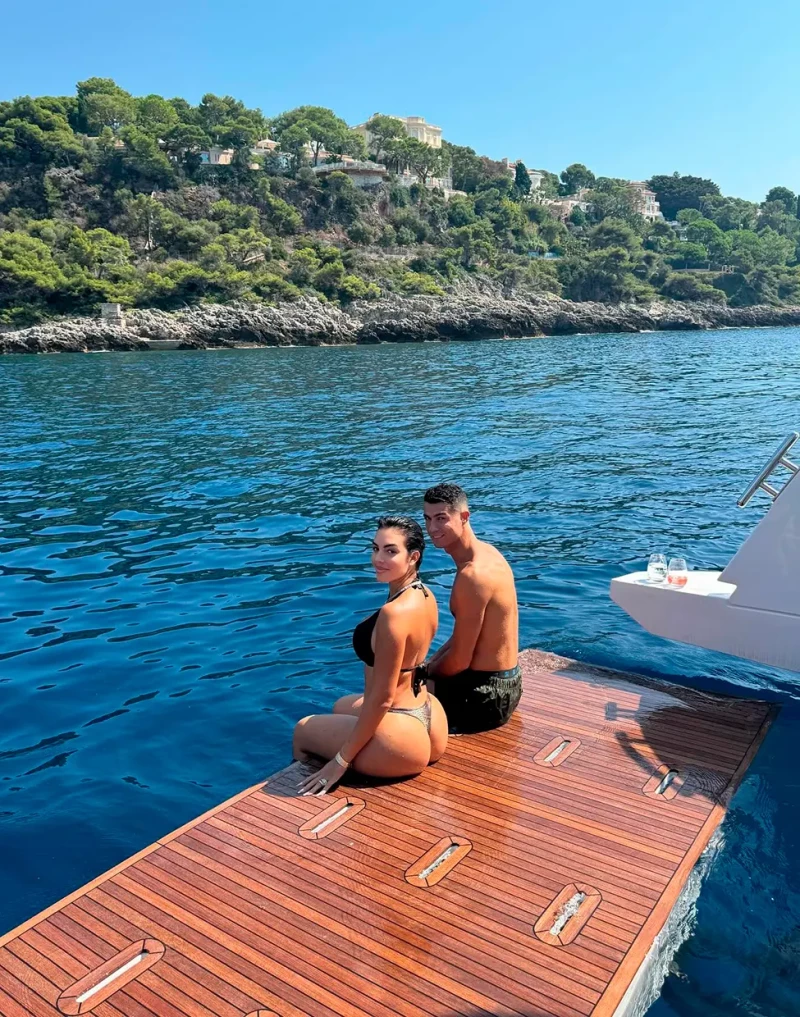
<point x="397" y="319"/>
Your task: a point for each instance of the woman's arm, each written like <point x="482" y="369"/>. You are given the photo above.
<point x="391" y="633"/>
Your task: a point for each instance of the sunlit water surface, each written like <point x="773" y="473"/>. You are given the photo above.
<point x="183" y="553"/>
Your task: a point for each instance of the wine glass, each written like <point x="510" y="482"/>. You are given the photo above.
<point x="677" y="572"/>
<point x="657" y="568"/>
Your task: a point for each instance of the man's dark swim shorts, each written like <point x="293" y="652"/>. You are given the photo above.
<point x="479" y="700"/>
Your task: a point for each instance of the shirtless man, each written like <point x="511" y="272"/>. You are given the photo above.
<point x="475" y="673"/>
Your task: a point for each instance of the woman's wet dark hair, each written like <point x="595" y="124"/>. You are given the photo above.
<point x="411" y="530"/>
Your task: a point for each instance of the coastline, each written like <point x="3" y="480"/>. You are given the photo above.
<point x="308" y="322"/>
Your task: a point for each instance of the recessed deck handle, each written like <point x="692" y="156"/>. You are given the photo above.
<point x="96" y="986"/>
<point x="665" y="783"/>
<point x="567" y="914"/>
<point x="438" y="861"/>
<point x="339" y="812"/>
<point x="557" y="751"/>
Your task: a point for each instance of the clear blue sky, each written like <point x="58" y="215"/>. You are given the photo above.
<point x="629" y="88"/>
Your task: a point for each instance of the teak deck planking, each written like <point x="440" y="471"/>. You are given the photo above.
<point x="433" y="896"/>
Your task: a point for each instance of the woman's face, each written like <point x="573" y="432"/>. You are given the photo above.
<point x="390" y="559"/>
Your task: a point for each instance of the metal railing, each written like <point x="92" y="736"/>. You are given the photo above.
<point x="779" y="459"/>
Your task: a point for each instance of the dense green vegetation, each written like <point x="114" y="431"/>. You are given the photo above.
<point x="104" y="197"/>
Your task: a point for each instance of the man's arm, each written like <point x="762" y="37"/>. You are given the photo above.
<point x="469" y="600"/>
<point x="439" y="653"/>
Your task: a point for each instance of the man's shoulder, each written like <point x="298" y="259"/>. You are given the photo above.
<point x="472" y="577"/>
<point x="488" y="560"/>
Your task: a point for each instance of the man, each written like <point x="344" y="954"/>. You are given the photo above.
<point x="475" y="675"/>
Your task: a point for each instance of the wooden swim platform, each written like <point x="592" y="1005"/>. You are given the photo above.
<point x="526" y="873"/>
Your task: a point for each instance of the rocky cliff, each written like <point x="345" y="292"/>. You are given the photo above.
<point x="396" y="319"/>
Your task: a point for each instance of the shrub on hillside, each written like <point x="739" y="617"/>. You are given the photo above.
<point x="420" y="282"/>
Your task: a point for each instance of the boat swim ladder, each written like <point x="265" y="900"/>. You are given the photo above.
<point x="779" y="459"/>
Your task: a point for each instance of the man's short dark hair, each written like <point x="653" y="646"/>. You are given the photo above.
<point x="452" y="495"/>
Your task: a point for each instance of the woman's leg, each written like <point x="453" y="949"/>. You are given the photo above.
<point x="349" y="704"/>
<point x="399" y="748"/>
<point x="321" y="735"/>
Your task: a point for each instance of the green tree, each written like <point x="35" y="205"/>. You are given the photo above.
<point x="660" y="236"/>
<point x="575" y="177"/>
<point x="156" y="116"/>
<point x="476" y="243"/>
<point x="773" y="214"/>
<point x="322" y="128"/>
<point x="674" y="192"/>
<point x="466" y="166"/>
<point x="786" y="197"/>
<point x="746" y="251"/>
<point x="775" y="249"/>
<point x="142" y="221"/>
<point x="460" y="211"/>
<point x="424" y="160"/>
<point x="730" y="213"/>
<point x="614" y="233"/>
<point x="522" y="181"/>
<point x="34" y="135"/>
<point x="688" y="255"/>
<point x="99" y="252"/>
<point x="689" y="287"/>
<point x="768" y="285"/>
<point x="383" y="129"/>
<point x="243" y="248"/>
<point x="278" y="216"/>
<point x="29" y="274"/>
<point x="185" y="140"/>
<point x="221" y="116"/>
<point x="578" y="217"/>
<point x="614" y="199"/>
<point x="138" y="163"/>
<point x="550" y="186"/>
<point x="420" y="282"/>
<point x="295" y="140"/>
<point x="605" y="275"/>
<point x="102" y="103"/>
<point x="714" y="240"/>
<point x="232" y="216"/>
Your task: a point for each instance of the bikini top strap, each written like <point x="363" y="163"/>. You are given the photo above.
<point x="417" y="584"/>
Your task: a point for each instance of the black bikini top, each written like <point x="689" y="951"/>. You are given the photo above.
<point x="362" y="637"/>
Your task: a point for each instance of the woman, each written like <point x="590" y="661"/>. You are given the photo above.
<point x="396" y="728"/>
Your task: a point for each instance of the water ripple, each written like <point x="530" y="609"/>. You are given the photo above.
<point x="183" y="550"/>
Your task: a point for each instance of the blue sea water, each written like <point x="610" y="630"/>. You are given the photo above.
<point x="184" y="551"/>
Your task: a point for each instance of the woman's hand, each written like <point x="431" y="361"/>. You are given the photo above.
<point x="323" y="781"/>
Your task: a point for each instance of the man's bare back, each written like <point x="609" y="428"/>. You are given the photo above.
<point x="488" y="579"/>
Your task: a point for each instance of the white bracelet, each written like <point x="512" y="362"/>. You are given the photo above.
<point x="341" y="760"/>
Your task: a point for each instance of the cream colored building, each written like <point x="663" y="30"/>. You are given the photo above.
<point x="645" y="200"/>
<point x="428" y="134"/>
<point x="416" y="127"/>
